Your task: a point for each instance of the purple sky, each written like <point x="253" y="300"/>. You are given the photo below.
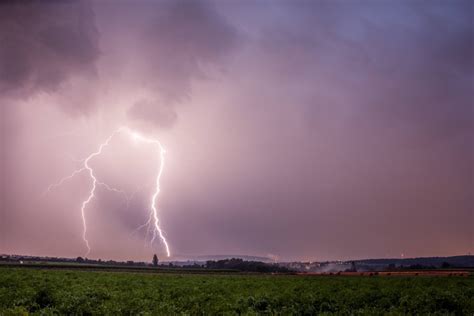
<point x="306" y="130"/>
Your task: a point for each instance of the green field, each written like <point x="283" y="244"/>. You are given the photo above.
<point x="46" y="292"/>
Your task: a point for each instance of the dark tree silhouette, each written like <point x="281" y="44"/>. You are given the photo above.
<point x="249" y="266"/>
<point x="445" y="265"/>
<point x="155" y="260"/>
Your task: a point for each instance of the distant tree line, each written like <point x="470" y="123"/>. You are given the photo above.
<point x="111" y="262"/>
<point x="444" y="265"/>
<point x="246" y="266"/>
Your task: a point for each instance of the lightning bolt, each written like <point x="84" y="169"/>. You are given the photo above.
<point x="153" y="216"/>
<point x="61" y="182"/>
<point x="153" y="210"/>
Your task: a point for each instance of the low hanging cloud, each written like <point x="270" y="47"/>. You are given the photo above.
<point x="153" y="113"/>
<point x="185" y="37"/>
<point x="183" y="40"/>
<point x="43" y="45"/>
<point x="53" y="47"/>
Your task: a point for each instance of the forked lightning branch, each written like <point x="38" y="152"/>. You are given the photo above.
<point x="153" y="219"/>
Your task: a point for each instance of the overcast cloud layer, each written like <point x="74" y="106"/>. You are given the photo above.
<point x="294" y="129"/>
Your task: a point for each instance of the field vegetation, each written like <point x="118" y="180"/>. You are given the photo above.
<point x="26" y="291"/>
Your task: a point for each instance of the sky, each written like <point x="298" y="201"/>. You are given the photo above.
<point x="294" y="130"/>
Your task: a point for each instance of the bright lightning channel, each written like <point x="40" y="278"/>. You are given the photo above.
<point x="153" y="219"/>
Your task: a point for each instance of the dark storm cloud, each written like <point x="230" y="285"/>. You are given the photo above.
<point x="43" y="44"/>
<point x="183" y="38"/>
<point x="410" y="70"/>
<point x="183" y="42"/>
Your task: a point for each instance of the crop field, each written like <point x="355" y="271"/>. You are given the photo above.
<point x="79" y="292"/>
